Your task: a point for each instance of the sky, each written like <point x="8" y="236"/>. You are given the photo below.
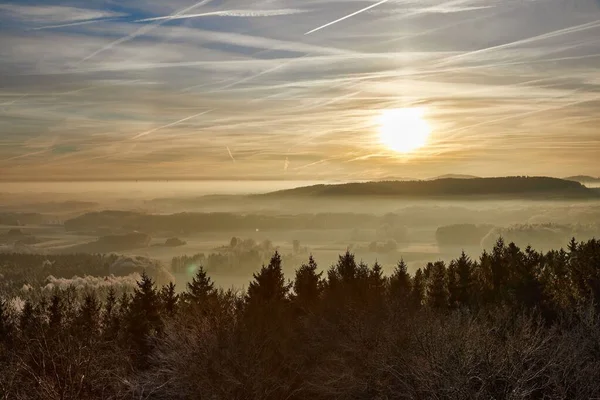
<point x="291" y="89"/>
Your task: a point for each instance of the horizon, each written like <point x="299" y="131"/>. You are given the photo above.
<point x="147" y="189"/>
<point x="291" y="90"/>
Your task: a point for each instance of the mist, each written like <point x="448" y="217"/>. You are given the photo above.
<point x="232" y="228"/>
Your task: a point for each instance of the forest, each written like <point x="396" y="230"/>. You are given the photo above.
<point x="510" y="323"/>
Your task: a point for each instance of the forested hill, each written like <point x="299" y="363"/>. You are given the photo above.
<point x="583" y="179"/>
<point x="505" y="187"/>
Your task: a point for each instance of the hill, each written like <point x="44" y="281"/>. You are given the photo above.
<point x="454" y="176"/>
<point x="506" y="187"/>
<point x="583" y="178"/>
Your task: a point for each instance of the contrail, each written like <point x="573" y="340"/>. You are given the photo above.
<point x="229" y="13"/>
<point x="273" y="69"/>
<point x="169" y="125"/>
<point x="548" y="35"/>
<point x="73" y="24"/>
<point x="230" y="155"/>
<point x="313" y="163"/>
<point x="33" y="153"/>
<point x="8" y="103"/>
<point x="144" y="29"/>
<point x="347" y="16"/>
<point x="524" y="114"/>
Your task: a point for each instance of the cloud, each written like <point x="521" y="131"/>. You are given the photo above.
<point x="442" y="9"/>
<point x="143" y="30"/>
<point x="230" y="13"/>
<point x="40" y="28"/>
<point x="55" y="14"/>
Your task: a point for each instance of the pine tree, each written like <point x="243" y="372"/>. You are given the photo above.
<point x="375" y="286"/>
<point x="453" y="295"/>
<point x="268" y="286"/>
<point x="400" y="285"/>
<point x="55" y="312"/>
<point x="307" y="285"/>
<point x="169" y="299"/>
<point x="342" y="287"/>
<point x="200" y="291"/>
<point x="465" y="280"/>
<point x="30" y="319"/>
<point x="87" y="322"/>
<point x="437" y="288"/>
<point x="110" y="317"/>
<point x="572" y="246"/>
<point x="417" y="294"/>
<point x="346" y="267"/>
<point x="376" y="278"/>
<point x="124" y="303"/>
<point x="499" y="270"/>
<point x="6" y="326"/>
<point x="144" y="322"/>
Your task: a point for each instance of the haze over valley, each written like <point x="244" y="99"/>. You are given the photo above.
<point x="416" y="221"/>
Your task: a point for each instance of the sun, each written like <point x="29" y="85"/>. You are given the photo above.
<point x="403" y="129"/>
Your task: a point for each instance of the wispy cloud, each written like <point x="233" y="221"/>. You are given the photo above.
<point x="230" y="13"/>
<point x="93" y="21"/>
<point x="143" y="30"/>
<point x="55" y="13"/>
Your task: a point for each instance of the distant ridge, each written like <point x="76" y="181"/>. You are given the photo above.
<point x="583" y="178"/>
<point x="404" y="178"/>
<point x="503" y="187"/>
<point x="454" y="176"/>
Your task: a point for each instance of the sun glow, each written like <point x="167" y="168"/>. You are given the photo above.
<point x="403" y="129"/>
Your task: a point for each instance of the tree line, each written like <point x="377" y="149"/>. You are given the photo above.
<point x="513" y="323"/>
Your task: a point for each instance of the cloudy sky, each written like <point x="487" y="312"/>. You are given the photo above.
<point x="291" y="89"/>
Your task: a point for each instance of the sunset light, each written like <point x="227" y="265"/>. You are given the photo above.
<point x="403" y="129"/>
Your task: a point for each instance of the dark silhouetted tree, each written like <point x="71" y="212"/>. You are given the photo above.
<point x="200" y="291"/>
<point x="169" y="299"/>
<point x="307" y="285"/>
<point x="376" y="285"/>
<point x="144" y="322"/>
<point x="437" y="288"/>
<point x="111" y="318"/>
<point x="341" y="288"/>
<point x="269" y="286"/>
<point x="30" y="319"/>
<point x="465" y="280"/>
<point x="6" y="326"/>
<point x="55" y="312"/>
<point x="417" y="294"/>
<point x="400" y="286"/>
<point x="87" y="321"/>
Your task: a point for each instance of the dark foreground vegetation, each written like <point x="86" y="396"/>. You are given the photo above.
<point x="511" y="324"/>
